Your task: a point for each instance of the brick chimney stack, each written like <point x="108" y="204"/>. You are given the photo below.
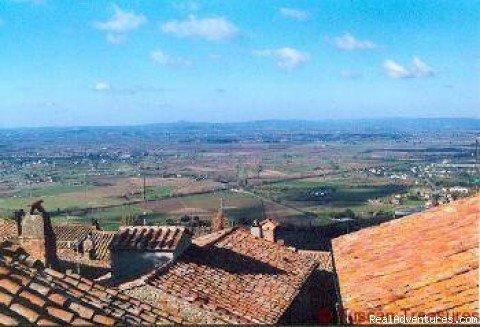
<point x="269" y="230"/>
<point x="218" y="221"/>
<point x="88" y="246"/>
<point x="37" y="237"/>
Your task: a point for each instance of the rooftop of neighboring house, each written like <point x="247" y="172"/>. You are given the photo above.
<point x="33" y="294"/>
<point x="67" y="233"/>
<point x="230" y="276"/>
<point x="426" y="262"/>
<point x="92" y="267"/>
<point x="148" y="238"/>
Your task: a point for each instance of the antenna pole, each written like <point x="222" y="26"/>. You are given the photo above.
<point x="144" y="187"/>
<point x="476" y="164"/>
<point x="85" y="183"/>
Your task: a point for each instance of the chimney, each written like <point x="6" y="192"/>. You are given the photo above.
<point x="88" y="247"/>
<point x="218" y="221"/>
<point x="269" y="230"/>
<point x="256" y="230"/>
<point x="95" y="224"/>
<point x="18" y="220"/>
<point x="37" y="237"/>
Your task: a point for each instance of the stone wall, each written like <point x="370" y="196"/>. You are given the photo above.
<point x="127" y="264"/>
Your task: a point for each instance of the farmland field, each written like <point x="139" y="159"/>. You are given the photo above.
<point x="296" y="175"/>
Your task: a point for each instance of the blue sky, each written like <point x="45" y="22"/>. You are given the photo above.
<point x="78" y="62"/>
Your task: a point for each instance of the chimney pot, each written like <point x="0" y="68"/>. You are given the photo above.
<point x="256" y="230"/>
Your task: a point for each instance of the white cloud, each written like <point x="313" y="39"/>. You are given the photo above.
<point x="287" y="58"/>
<point x="296" y="14"/>
<point x="348" y="42"/>
<point x="121" y="22"/>
<point x="115" y="38"/>
<point x="210" y="29"/>
<point x="102" y="86"/>
<point x="162" y="58"/>
<point x="395" y="70"/>
<point x="419" y="69"/>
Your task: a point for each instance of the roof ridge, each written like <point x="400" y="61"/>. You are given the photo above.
<point x="429" y="212"/>
<point x="215" y="237"/>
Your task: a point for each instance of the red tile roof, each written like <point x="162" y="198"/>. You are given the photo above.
<point x="31" y="294"/>
<point x="69" y="256"/>
<point x="211" y="238"/>
<point x="426" y="262"/>
<point x="237" y="277"/>
<point x="8" y="229"/>
<point x="323" y="258"/>
<point x="103" y="241"/>
<point x="67" y="233"/>
<point x="148" y="238"/>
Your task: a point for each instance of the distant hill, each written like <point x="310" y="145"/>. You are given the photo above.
<point x="383" y="125"/>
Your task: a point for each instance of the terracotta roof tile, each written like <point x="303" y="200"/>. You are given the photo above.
<point x="239" y="278"/>
<point x="8" y="320"/>
<point x="32" y="294"/>
<point x="32" y="298"/>
<point x="46" y="322"/>
<point x="426" y="262"/>
<point x="148" y="238"/>
<point x="64" y="315"/>
<point x="24" y="311"/>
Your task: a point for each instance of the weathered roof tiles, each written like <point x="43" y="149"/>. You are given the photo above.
<point x="8" y="229"/>
<point x="148" y="238"/>
<point x="31" y="294"/>
<point x="237" y="277"/>
<point x="426" y="262"/>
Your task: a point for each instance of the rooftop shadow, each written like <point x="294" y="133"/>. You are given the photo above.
<point x="228" y="260"/>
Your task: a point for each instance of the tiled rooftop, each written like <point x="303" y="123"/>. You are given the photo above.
<point x="8" y="229"/>
<point x="323" y="258"/>
<point x="426" y="262"/>
<point x="103" y="240"/>
<point x="235" y="276"/>
<point x="67" y="233"/>
<point x="31" y="294"/>
<point x="70" y="258"/>
<point x="148" y="238"/>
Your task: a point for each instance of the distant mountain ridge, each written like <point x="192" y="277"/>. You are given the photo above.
<point x="328" y="125"/>
<point x="380" y="124"/>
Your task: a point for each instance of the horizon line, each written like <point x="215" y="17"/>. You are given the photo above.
<point x="181" y="121"/>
